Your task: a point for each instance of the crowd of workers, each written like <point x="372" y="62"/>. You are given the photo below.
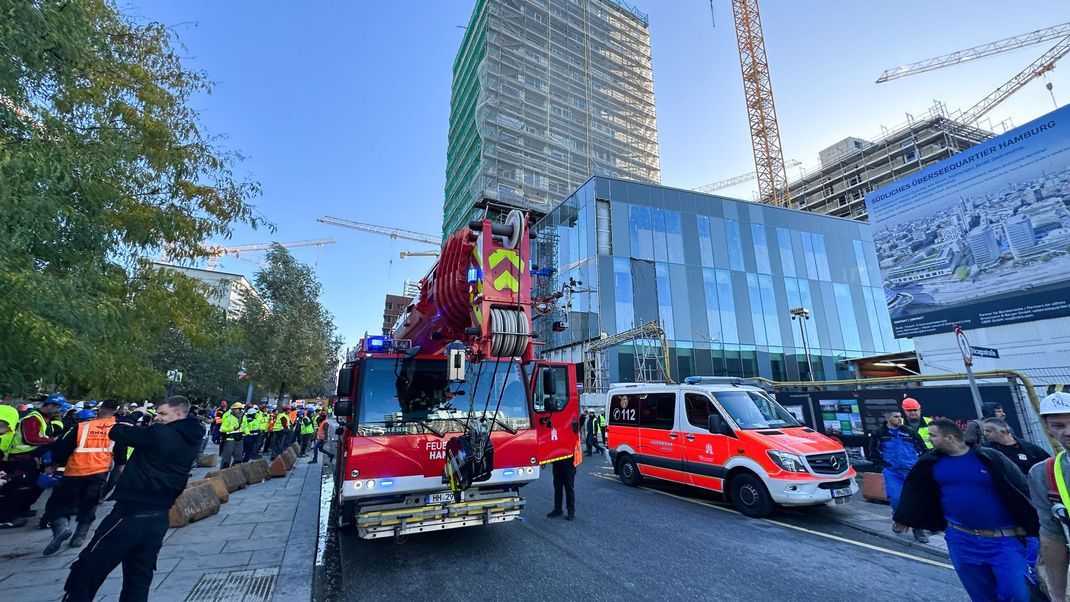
<point x="139" y="456"/>
<point x="1000" y="501"/>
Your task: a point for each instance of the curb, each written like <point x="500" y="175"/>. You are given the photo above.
<point x="910" y="543"/>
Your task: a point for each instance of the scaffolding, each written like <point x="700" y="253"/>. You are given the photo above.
<point x="547" y="93"/>
<point x="839" y="185"/>
<point x="650" y="357"/>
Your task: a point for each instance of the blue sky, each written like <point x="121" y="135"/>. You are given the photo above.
<point x="341" y="108"/>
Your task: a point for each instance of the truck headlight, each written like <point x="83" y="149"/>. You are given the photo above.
<point x="787" y="461"/>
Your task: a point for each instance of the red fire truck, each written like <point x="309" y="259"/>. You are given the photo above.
<point x="443" y="421"/>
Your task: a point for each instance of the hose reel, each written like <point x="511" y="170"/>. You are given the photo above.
<point x="510" y="332"/>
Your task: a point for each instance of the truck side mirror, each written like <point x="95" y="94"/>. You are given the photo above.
<point x="343" y="408"/>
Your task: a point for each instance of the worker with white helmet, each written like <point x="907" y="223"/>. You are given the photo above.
<point x="1051" y="497"/>
<point x="230" y="431"/>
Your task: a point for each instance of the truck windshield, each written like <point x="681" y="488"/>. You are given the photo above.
<point x="396" y="392"/>
<point x="752" y="410"/>
<point x="505" y="382"/>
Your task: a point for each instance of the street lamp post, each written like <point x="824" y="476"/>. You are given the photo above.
<point x="803" y="315"/>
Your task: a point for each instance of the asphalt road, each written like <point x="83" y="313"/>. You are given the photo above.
<point x="629" y="543"/>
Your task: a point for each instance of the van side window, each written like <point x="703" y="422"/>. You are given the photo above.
<point x="699" y="407"/>
<point x="657" y="411"/>
<point x="624" y="410"/>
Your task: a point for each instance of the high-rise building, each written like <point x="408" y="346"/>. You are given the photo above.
<point x="853" y="167"/>
<point x="392" y="309"/>
<point x="227" y="291"/>
<point x="983" y="245"/>
<point x="1020" y="235"/>
<point x="547" y="93"/>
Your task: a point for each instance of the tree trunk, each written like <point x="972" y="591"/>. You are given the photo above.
<point x="282" y="389"/>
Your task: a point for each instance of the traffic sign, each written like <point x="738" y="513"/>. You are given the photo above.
<point x="985" y="352"/>
<point x="964" y="346"/>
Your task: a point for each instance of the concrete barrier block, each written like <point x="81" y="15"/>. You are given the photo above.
<point x="234" y="477"/>
<point x="193" y="504"/>
<point x="207" y="460"/>
<point x="256" y="471"/>
<point x="873" y="487"/>
<point x="220" y="489"/>
<point x="278" y="467"/>
<point x="289" y="457"/>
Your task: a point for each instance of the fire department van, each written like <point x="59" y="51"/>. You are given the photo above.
<point x="718" y="434"/>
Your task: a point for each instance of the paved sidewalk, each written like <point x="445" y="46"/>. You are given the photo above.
<point x="266" y="533"/>
<point x="876" y="519"/>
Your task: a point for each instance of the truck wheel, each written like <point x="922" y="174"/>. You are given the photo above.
<point x="629" y="472"/>
<point x="750" y="496"/>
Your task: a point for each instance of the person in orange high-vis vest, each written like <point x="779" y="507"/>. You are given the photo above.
<point x="78" y="492"/>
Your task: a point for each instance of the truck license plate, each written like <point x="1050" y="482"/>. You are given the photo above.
<point x="448" y="497"/>
<point x="842" y="492"/>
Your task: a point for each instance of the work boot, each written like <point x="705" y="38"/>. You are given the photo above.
<point x="920" y="536"/>
<point x="571" y="516"/>
<point x="554" y="514"/>
<point x="79" y="534"/>
<point x="61" y="530"/>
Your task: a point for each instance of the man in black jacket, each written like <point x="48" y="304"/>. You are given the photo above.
<point x="153" y="478"/>
<point x="982" y="502"/>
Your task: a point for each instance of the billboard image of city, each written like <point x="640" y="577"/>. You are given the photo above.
<point x="981" y="238"/>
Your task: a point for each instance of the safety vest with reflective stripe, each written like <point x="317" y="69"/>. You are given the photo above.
<point x="18" y="446"/>
<point x="229" y="424"/>
<point x="306" y="425"/>
<point x="250" y="424"/>
<point x="93" y="454"/>
<point x="264" y="420"/>
<point x="282" y="422"/>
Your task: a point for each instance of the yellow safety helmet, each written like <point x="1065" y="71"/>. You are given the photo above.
<point x="237" y="405"/>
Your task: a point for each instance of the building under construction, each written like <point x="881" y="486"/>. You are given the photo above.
<point x="547" y="93"/>
<point x="853" y="167"/>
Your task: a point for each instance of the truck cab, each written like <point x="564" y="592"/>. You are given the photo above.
<point x="398" y="413"/>
<point x="718" y="434"/>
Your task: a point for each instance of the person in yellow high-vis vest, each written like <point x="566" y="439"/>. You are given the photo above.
<point x="280" y="430"/>
<point x="914" y="419"/>
<point x="306" y="428"/>
<point x="230" y="432"/>
<point x="250" y="432"/>
<point x="1050" y="496"/>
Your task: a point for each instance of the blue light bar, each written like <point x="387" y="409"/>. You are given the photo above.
<point x="474" y="275"/>
<point x="378" y="344"/>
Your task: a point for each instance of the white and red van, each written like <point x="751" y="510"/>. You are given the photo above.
<point x="718" y="434"/>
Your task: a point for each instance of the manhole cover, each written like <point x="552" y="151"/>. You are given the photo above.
<point x="246" y="585"/>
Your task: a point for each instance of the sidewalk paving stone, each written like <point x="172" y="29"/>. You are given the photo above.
<point x="266" y="525"/>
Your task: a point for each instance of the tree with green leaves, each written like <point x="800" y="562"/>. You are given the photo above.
<point x="290" y="339"/>
<point x="102" y="162"/>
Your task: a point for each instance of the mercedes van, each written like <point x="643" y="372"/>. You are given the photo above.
<point x="719" y="434"/>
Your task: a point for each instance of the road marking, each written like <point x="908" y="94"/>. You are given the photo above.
<point x="798" y="528"/>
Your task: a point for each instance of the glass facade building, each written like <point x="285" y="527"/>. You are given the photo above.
<point x="720" y="275"/>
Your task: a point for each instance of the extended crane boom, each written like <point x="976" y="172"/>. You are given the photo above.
<point x="217" y="252"/>
<point x="977" y="52"/>
<point x="374" y="229"/>
<point x="1039" y="67"/>
<point x="761" y="112"/>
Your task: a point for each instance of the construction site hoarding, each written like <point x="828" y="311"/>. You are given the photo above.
<point x="981" y="238"/>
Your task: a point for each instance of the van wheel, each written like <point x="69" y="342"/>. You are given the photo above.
<point x="750" y="496"/>
<point x="629" y="472"/>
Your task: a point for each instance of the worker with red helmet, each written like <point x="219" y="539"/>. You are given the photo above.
<point x="914" y="419"/>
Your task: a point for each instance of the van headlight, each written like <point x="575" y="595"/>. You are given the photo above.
<point x="787" y="461"/>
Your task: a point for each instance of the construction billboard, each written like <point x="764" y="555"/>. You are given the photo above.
<point x="981" y="238"/>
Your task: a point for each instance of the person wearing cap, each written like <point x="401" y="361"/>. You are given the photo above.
<point x="1051" y="498"/>
<point x="86" y="471"/>
<point x="250" y="432"/>
<point x="981" y="501"/>
<point x="914" y="419"/>
<point x="230" y="431"/>
<point x="306" y="428"/>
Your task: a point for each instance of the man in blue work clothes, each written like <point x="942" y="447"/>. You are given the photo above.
<point x="981" y="500"/>
<point x="895" y="448"/>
